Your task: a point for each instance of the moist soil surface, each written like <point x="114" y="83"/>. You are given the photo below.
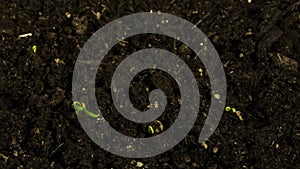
<point x="258" y="44"/>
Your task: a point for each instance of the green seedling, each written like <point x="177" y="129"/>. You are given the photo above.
<point x="34" y="48"/>
<point x="201" y="72"/>
<point x="238" y="113"/>
<point x="233" y="110"/>
<point x="81" y="107"/>
<point x="150" y="129"/>
<point x="156" y="127"/>
<point x="228" y="108"/>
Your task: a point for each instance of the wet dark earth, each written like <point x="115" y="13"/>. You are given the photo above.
<point x="258" y="44"/>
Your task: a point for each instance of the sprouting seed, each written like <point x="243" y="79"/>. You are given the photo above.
<point x="238" y="113"/>
<point x="201" y="72"/>
<point x="150" y="129"/>
<point x="81" y="107"/>
<point x="34" y="48"/>
<point x="204" y="145"/>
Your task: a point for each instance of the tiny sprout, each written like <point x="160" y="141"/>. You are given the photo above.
<point x="156" y="127"/>
<point x="77" y="106"/>
<point x="34" y="48"/>
<point x="204" y="145"/>
<point x="201" y="72"/>
<point x="238" y="113"/>
<point x="81" y="107"/>
<point x="227" y="108"/>
<point x="161" y="126"/>
<point x="150" y="129"/>
<point x="233" y="110"/>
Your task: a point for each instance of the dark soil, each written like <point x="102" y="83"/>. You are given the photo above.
<point x="258" y="44"/>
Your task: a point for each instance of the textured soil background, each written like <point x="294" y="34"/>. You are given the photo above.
<point x="258" y="44"/>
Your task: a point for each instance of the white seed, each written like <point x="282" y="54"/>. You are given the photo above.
<point x="217" y="96"/>
<point x="156" y="104"/>
<point x="132" y="69"/>
<point x="98" y="15"/>
<point x="15" y="153"/>
<point x="139" y="164"/>
<point x="242" y="55"/>
<point x="215" y="149"/>
<point x="129" y="147"/>
<point x="68" y="15"/>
